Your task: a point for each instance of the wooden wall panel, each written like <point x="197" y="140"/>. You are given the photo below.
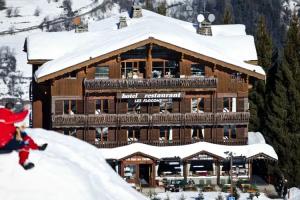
<point x="185" y="105"/>
<point x="111" y="134"/>
<point x="154" y="134"/>
<point x="176" y="133"/>
<point x="144" y="108"/>
<point x="67" y="87"/>
<point x="111" y="106"/>
<point x="185" y="67"/>
<point x="207" y="133"/>
<point x="220" y="104"/>
<point x="143" y="134"/>
<point x="90" y="106"/>
<point x="79" y="105"/>
<point x="59" y="107"/>
<point x="240" y="105"/>
<point x="122" y="135"/>
<point x="220" y="132"/>
<point x="241" y="131"/>
<point x="114" y="69"/>
<point x="90" y="136"/>
<point x="176" y="105"/>
<point x="155" y="108"/>
<point x="207" y="105"/>
<point x="122" y="107"/>
<point x="79" y="134"/>
<point x="187" y="134"/>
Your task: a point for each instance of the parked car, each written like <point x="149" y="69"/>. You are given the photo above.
<point x="174" y="185"/>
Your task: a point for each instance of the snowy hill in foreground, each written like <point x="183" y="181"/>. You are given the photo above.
<point x="68" y="169"/>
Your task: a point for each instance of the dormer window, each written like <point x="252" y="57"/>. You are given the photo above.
<point x="102" y="72"/>
<point x="72" y="75"/>
<point x="198" y="70"/>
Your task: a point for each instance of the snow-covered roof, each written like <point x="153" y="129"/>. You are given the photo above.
<point x="229" y="43"/>
<point x="256" y="138"/>
<point x="68" y="169"/>
<point x="184" y="151"/>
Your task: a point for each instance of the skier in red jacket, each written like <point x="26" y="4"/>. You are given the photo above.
<point x="12" y="138"/>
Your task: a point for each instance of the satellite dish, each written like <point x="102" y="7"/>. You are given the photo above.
<point x="211" y="18"/>
<point x="200" y="18"/>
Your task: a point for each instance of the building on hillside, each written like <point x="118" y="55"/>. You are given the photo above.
<point x="143" y="77"/>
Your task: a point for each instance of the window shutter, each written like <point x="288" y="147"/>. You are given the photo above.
<point x="59" y="107"/>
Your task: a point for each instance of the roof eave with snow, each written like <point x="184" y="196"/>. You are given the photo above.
<point x="229" y="44"/>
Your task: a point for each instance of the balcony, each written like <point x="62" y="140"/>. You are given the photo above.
<point x="140" y="85"/>
<point x="113" y="144"/>
<point x="158" y="119"/>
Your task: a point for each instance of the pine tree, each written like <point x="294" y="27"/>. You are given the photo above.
<point x="227" y="18"/>
<point x="263" y="44"/>
<point x="2" y="4"/>
<point x="149" y="5"/>
<point x="162" y="8"/>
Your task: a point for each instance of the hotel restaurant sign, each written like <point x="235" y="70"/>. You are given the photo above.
<point x="150" y="97"/>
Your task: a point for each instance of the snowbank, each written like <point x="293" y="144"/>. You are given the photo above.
<point x="294" y="194"/>
<point x="68" y="169"/>
<point x="256" y="138"/>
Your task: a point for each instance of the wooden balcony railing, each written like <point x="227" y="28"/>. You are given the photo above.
<point x="113" y="144"/>
<point x="158" y="119"/>
<point x="129" y="85"/>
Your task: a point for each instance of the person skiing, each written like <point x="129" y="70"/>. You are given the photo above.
<point x="15" y="138"/>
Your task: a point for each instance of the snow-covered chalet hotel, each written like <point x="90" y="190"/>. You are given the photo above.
<point x="141" y="77"/>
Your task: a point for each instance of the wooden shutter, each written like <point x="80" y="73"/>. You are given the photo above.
<point x="176" y="106"/>
<point x="241" y="132"/>
<point x="90" y="136"/>
<point x="144" y="108"/>
<point x="154" y="134"/>
<point x="59" y="107"/>
<point x="91" y="106"/>
<point x="111" y="106"/>
<point x="122" y="135"/>
<point x="79" y="105"/>
<point x="240" y="105"/>
<point x="111" y="134"/>
<point x="207" y="105"/>
<point x="219" y="104"/>
<point x="187" y="134"/>
<point x="220" y="132"/>
<point x="122" y="107"/>
<point x="79" y="134"/>
<point x="155" y="108"/>
<point x="207" y="133"/>
<point x="176" y="133"/>
<point x="143" y="134"/>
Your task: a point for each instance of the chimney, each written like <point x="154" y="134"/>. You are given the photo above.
<point x="205" y="28"/>
<point x="136" y="11"/>
<point x="80" y="27"/>
<point x="122" y="22"/>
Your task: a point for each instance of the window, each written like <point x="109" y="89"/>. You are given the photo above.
<point x="229" y="104"/>
<point x="101" y="106"/>
<point x="70" y="107"/>
<point x="165" y="69"/>
<point x="133" y="134"/>
<point x="130" y="172"/>
<point x="72" y="75"/>
<point x="71" y="132"/>
<point x="101" y="135"/>
<point x="166" y="106"/>
<point x="229" y="132"/>
<point x="197" y="105"/>
<point x="133" y="70"/>
<point x="133" y="107"/>
<point x="102" y="72"/>
<point x="198" y="133"/>
<point x="165" y="134"/>
<point x="198" y="70"/>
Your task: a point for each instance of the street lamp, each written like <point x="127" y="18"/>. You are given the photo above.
<point x="230" y="156"/>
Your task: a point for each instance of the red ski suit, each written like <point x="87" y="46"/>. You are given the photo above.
<point x="7" y="127"/>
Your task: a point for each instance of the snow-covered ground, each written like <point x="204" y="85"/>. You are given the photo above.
<point x="293" y="194"/>
<point x="68" y="169"/>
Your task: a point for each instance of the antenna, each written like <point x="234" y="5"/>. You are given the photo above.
<point x="200" y="18"/>
<point x="211" y="18"/>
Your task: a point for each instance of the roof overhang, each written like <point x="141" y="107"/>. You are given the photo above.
<point x="150" y="40"/>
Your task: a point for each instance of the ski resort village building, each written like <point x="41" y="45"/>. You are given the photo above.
<point x="161" y="97"/>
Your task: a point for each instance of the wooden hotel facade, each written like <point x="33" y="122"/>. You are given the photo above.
<point x="150" y="91"/>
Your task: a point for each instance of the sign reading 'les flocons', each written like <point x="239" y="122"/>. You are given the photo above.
<point x="149" y="95"/>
